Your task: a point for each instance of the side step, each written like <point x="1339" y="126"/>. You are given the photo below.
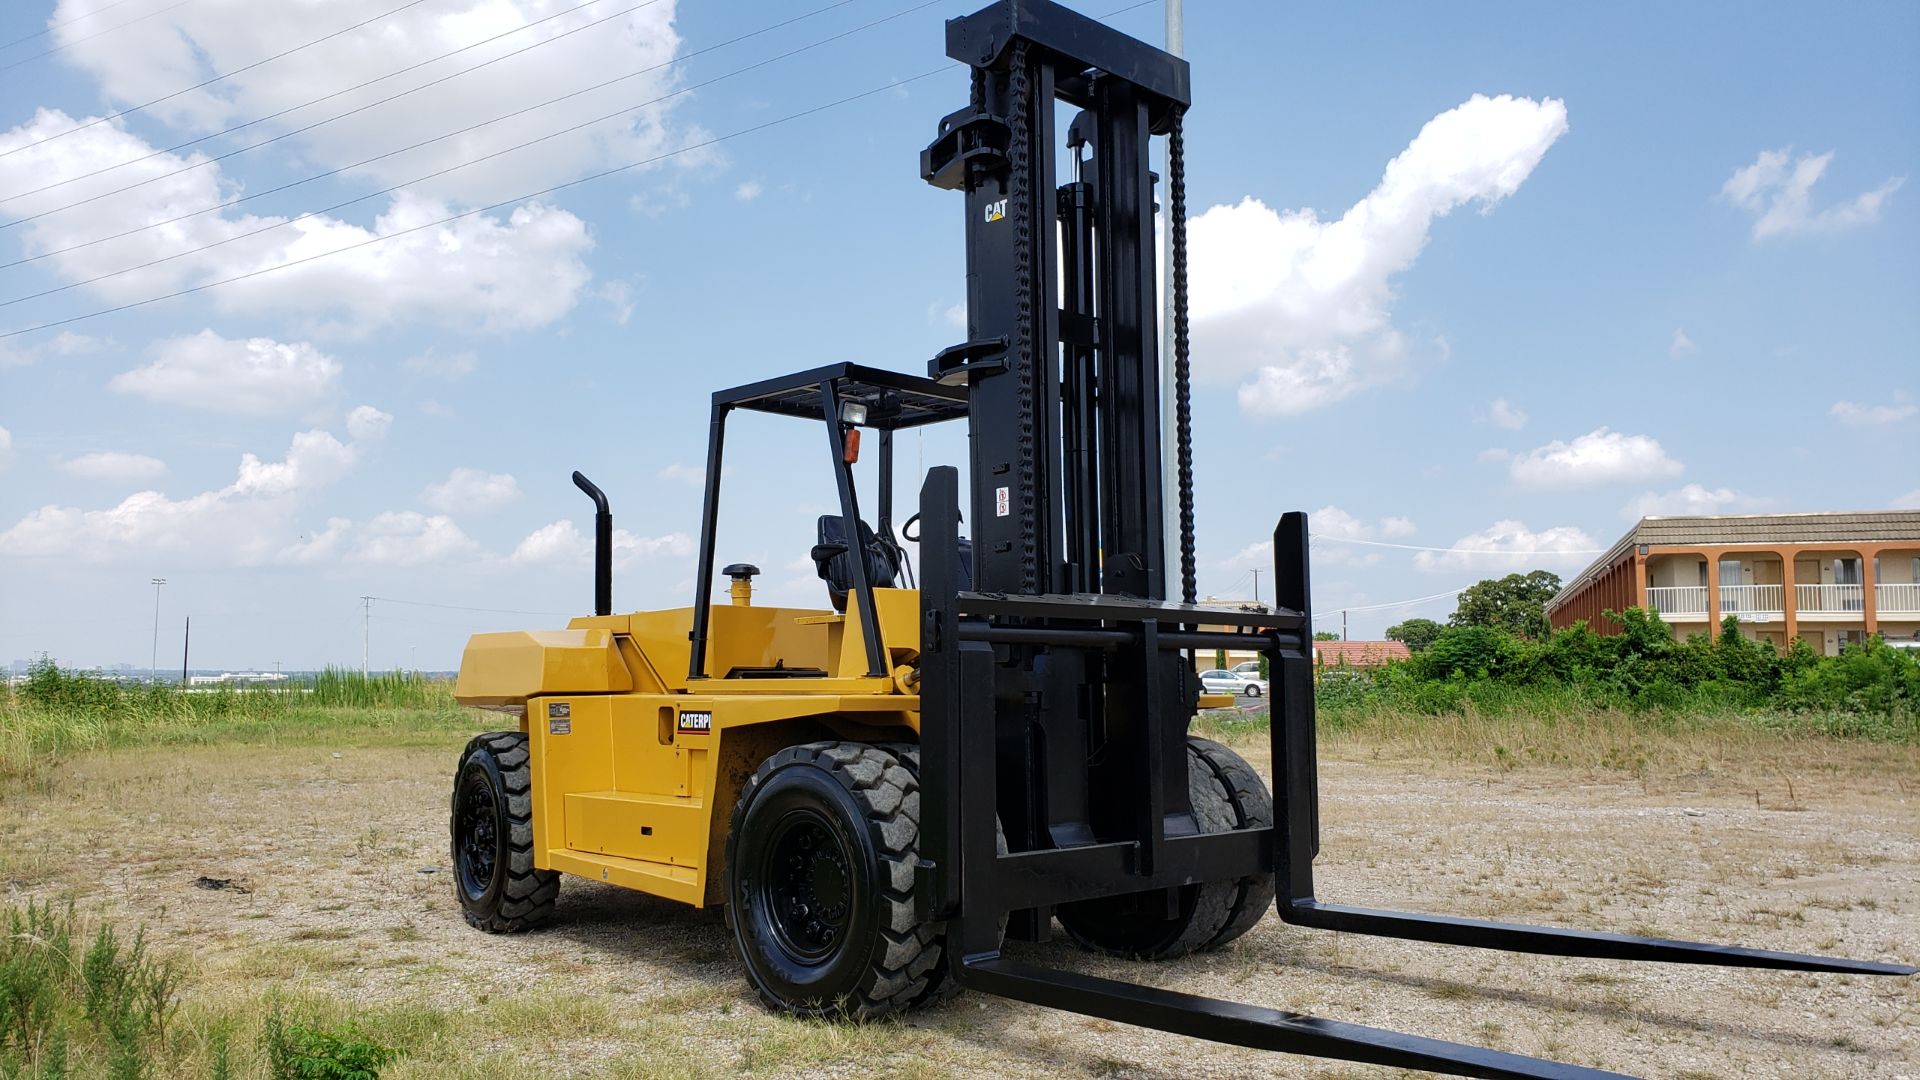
<point x="1251" y="1025"/>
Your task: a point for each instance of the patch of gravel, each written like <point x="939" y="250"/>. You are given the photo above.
<point x="324" y="850"/>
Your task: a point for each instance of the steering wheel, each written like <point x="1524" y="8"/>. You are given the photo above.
<point x="906" y="527"/>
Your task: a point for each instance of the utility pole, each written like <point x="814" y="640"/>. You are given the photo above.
<point x="186" y="642"/>
<point x="153" y="662"/>
<point x="1169" y="460"/>
<point x="366" y="631"/>
<point x="1343" y="624"/>
<point x="1256" y="585"/>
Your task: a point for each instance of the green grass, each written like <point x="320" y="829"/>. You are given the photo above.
<point x="58" y="713"/>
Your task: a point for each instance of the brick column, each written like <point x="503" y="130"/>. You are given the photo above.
<point x="1789" y="603"/>
<point x="1713" y="596"/>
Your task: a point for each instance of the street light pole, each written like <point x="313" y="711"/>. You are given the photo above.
<point x="153" y="662"/>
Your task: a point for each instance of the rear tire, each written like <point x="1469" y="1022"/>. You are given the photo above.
<point x="1252" y="809"/>
<point x="821" y="857"/>
<point x="1137" y="926"/>
<point x="491" y="828"/>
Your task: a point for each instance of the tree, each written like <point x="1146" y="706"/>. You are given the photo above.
<point x="1416" y="634"/>
<point x="1516" y="603"/>
<point x="1325" y="635"/>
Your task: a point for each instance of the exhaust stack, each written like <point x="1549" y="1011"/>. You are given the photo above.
<point x="602" y="545"/>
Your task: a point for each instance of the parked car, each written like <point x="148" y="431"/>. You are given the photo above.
<point x="1249" y="668"/>
<point x="1221" y="681"/>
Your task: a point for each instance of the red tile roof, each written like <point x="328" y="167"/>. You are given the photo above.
<point x="1358" y="653"/>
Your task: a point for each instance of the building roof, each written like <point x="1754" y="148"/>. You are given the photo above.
<point x="1358" y="653"/>
<point x="1865" y="526"/>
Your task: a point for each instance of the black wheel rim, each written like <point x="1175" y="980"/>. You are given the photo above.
<point x="477" y="832"/>
<point x="808" y="882"/>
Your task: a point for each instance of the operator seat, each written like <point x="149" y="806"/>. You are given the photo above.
<point x="835" y="563"/>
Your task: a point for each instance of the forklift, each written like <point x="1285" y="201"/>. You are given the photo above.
<point x="885" y="791"/>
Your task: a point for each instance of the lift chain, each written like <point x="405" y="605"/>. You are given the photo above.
<point x="1020" y="215"/>
<point x="1182" y="366"/>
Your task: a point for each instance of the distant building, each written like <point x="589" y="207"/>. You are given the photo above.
<point x="1207" y="660"/>
<point x="1829" y="579"/>
<point x="1358" y="654"/>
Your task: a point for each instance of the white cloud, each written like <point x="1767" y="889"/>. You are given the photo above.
<point x="1909" y="501"/>
<point x="748" y="190"/>
<point x="1692" y="499"/>
<point x="619" y="297"/>
<point x="185" y="44"/>
<point x="953" y="315"/>
<point x="65" y="343"/>
<point x="1682" y="345"/>
<point x="368" y="424"/>
<point x="471" y="491"/>
<point x="1509" y="545"/>
<point x="482" y="273"/>
<point x="690" y="475"/>
<point x="1599" y="457"/>
<point x="1854" y="415"/>
<point x="6" y="448"/>
<point x="1333" y="531"/>
<point x="456" y="365"/>
<point x="246" y="523"/>
<point x="562" y="543"/>
<point x="252" y="377"/>
<point x="1301" y="305"/>
<point x="1779" y="193"/>
<point x="407" y="538"/>
<point x="1502" y="414"/>
<point x="114" y="466"/>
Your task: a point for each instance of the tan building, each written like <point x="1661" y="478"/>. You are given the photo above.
<point x="1207" y="660"/>
<point x="1829" y="579"/>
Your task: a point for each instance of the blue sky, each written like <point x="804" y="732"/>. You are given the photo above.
<point x="1627" y="259"/>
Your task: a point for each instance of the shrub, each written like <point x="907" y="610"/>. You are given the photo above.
<point x="299" y="1052"/>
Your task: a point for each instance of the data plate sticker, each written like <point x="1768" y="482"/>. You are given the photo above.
<point x="559" y="718"/>
<point x="695" y="723"/>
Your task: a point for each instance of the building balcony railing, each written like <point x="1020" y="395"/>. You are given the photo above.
<point x="1829" y="599"/>
<point x="1750" y="600"/>
<point x="1902" y="598"/>
<point x="1690" y="601"/>
<point x="1678" y="600"/>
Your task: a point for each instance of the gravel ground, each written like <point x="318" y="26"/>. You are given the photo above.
<point x="337" y="883"/>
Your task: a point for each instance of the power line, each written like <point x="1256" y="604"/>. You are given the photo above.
<point x="357" y="86"/>
<point x="68" y="22"/>
<point x="217" y="78"/>
<point x="480" y="210"/>
<point x="404" y="149"/>
<point x="1331" y="612"/>
<point x="100" y="33"/>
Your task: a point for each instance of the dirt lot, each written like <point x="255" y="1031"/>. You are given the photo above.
<point x="339" y="891"/>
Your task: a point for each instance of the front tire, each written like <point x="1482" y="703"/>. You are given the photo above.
<point x="821" y="856"/>
<point x="491" y="826"/>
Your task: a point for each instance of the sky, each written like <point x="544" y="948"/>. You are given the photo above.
<point x="309" y="302"/>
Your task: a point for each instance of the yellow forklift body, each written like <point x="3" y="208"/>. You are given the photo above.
<point x="636" y="767"/>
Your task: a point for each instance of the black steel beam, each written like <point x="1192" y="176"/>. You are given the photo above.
<point x="856" y="550"/>
<point x="1252" y="1025"/>
<point x="1553" y="941"/>
<point x="1091" y="607"/>
<point x="1030" y="879"/>
<point x="709" y="521"/>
